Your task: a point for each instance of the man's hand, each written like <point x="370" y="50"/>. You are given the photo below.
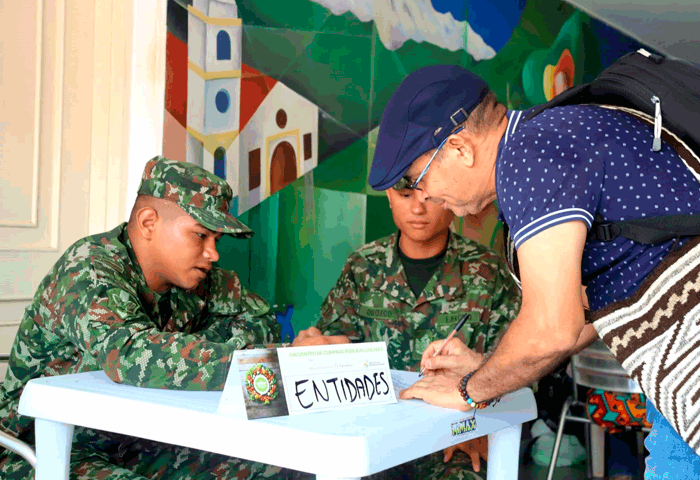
<point x="476" y="448"/>
<point x="313" y="336"/>
<point x="454" y="347"/>
<point x="455" y="358"/>
<point x="441" y="390"/>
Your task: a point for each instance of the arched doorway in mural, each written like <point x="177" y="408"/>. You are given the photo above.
<point x="283" y="166"/>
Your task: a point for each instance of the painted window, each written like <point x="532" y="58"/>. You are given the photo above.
<point x="222" y="100"/>
<point x="307" y="146"/>
<point x="223" y="45"/>
<point x="281" y="118"/>
<point x="220" y="162"/>
<point x="254" y="169"/>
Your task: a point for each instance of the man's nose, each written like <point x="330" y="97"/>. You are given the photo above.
<point x="421" y="195"/>
<point x="210" y="251"/>
<point x="417" y="205"/>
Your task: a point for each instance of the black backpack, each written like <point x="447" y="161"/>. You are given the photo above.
<point x="662" y="91"/>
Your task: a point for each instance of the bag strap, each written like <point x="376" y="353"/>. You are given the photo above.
<point x="646" y="230"/>
<point x="642" y="230"/>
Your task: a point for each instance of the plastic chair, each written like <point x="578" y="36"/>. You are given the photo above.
<point x="14" y="445"/>
<point x="19" y="447"/>
<point x="595" y="367"/>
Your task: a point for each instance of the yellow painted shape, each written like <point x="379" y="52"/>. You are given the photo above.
<point x="214" y="75"/>
<point x="268" y="141"/>
<point x="215" y="140"/>
<point x="548" y="81"/>
<point x="222" y="22"/>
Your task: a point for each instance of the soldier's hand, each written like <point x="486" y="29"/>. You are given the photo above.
<point x="313" y="336"/>
<point x="441" y="390"/>
<point x="476" y="448"/>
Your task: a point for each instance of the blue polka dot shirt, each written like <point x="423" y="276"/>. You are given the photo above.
<point x="571" y="163"/>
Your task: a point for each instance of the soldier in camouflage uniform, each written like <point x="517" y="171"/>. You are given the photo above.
<point x="380" y="297"/>
<point x="143" y="303"/>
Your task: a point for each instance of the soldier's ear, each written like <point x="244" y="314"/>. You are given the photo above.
<point x="147" y="221"/>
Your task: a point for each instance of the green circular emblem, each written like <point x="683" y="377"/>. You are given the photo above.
<point x="261" y="384"/>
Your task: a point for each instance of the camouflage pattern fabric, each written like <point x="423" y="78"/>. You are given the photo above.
<point x="429" y="467"/>
<point x="92" y="312"/>
<point x="372" y="301"/>
<point x="203" y="195"/>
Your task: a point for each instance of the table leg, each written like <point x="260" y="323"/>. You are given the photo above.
<point x="504" y="454"/>
<point x="53" y="445"/>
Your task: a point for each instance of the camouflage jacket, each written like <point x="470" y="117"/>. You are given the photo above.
<point x="91" y="313"/>
<point x="372" y="300"/>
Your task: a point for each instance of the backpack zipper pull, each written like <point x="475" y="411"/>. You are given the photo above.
<point x="656" y="146"/>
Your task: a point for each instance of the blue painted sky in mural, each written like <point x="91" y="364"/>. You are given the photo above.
<point x="503" y="16"/>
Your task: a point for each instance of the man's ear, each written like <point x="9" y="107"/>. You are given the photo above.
<point x="388" y="196"/>
<point x="147" y="222"/>
<point x="462" y="149"/>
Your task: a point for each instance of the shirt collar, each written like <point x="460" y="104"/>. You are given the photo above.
<point x="514" y="118"/>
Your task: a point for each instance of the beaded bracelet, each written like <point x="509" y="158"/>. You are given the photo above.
<point x="469" y="400"/>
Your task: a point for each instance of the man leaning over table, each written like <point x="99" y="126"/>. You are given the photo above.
<point x="144" y="303"/>
<point x="411" y="288"/>
<point x="552" y="175"/>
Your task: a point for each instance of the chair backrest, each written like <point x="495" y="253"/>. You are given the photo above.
<point x="595" y="367"/>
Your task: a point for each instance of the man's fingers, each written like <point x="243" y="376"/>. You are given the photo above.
<point x="414" y="391"/>
<point x="338" y="339"/>
<point x="313" y="332"/>
<point x="446" y="362"/>
<point x="476" y="460"/>
<point x="448" y="454"/>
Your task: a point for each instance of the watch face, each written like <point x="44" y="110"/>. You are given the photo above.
<point x="261" y="384"/>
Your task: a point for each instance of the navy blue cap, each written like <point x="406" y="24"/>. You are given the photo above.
<point x="421" y="113"/>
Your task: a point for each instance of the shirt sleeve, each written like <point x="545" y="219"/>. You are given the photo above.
<point x="338" y="311"/>
<point x="237" y="315"/>
<point x="111" y="325"/>
<point x="546" y="179"/>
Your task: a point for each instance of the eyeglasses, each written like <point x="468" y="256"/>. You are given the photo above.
<point x="414" y="186"/>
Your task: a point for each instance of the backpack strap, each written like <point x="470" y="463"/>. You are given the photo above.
<point x="642" y="230"/>
<point x="646" y="230"/>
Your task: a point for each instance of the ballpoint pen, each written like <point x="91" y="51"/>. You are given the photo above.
<point x="459" y="325"/>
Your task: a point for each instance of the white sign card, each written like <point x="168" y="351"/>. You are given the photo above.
<point x="293" y="380"/>
<point x="328" y="377"/>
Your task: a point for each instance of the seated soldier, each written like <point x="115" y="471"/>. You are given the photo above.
<point x="410" y="289"/>
<point x="144" y="303"/>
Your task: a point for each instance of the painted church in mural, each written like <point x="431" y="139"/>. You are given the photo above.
<point x="251" y="139"/>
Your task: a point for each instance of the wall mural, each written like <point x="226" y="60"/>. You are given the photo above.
<point x="283" y="99"/>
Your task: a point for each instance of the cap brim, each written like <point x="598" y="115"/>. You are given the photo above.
<point x="219" y="222"/>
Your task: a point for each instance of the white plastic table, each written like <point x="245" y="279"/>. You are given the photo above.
<point x="342" y="444"/>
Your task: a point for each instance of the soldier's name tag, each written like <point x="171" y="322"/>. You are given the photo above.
<point x="378" y="312"/>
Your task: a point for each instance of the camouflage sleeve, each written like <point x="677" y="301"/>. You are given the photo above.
<point x="238" y="316"/>
<point x="132" y="350"/>
<point x="254" y="325"/>
<point x="110" y="324"/>
<point x="505" y="305"/>
<point x="338" y="311"/>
